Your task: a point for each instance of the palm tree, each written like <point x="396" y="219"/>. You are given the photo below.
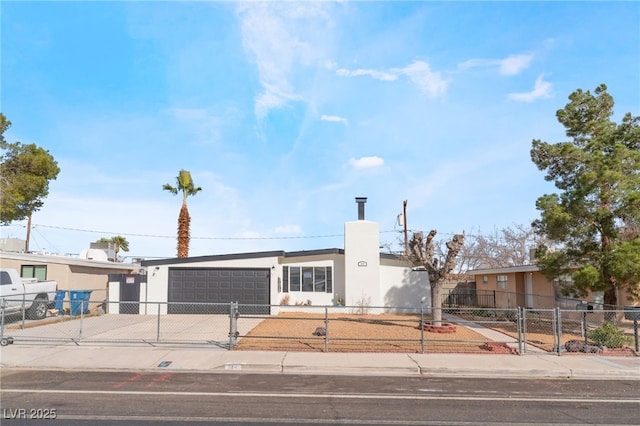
<point x="119" y="241"/>
<point x="184" y="184"/>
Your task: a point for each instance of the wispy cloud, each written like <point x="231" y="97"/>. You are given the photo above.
<point x="378" y="75"/>
<point x="366" y="162"/>
<point x="511" y="65"/>
<point x="280" y="37"/>
<point x="429" y="82"/>
<point x="542" y="90"/>
<point x="334" y="119"/>
<point x="418" y="72"/>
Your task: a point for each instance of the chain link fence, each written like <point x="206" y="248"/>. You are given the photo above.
<point x="234" y="326"/>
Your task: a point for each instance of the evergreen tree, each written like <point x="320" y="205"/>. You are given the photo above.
<point x="594" y="215"/>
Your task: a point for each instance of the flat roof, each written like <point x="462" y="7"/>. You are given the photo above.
<point x="67" y="260"/>
<point x="505" y="270"/>
<point x="253" y="255"/>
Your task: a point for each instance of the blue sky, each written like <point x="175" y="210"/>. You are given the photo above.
<point x="284" y="112"/>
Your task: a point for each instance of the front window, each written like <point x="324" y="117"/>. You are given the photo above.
<point x="34" y="271"/>
<point x="316" y="279"/>
<point x="320" y="284"/>
<point x="307" y="279"/>
<point x="501" y="281"/>
<point x="294" y="278"/>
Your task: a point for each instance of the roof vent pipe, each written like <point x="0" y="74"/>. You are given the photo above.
<point x="361" y="201"/>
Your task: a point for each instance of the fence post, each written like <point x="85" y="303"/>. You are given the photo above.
<point x="81" y="317"/>
<point x="326" y="329"/>
<point x="554" y="330"/>
<point x="635" y="332"/>
<point x="158" y="324"/>
<point x="24" y="310"/>
<point x="559" y="330"/>
<point x="234" y="313"/>
<point x="2" y="306"/>
<point x="421" y="327"/>
<point x="522" y="330"/>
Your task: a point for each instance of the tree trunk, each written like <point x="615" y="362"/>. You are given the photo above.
<point x="184" y="221"/>
<point x="610" y="298"/>
<point x="610" y="294"/>
<point x="436" y="304"/>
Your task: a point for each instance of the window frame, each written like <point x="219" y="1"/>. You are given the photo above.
<point x="307" y="279"/>
<point x="33" y="272"/>
<point x="502" y="283"/>
<point x="297" y="283"/>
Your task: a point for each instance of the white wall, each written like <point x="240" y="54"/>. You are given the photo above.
<point x="113" y="307"/>
<point x="403" y="288"/>
<point x="335" y="261"/>
<point x="362" y="263"/>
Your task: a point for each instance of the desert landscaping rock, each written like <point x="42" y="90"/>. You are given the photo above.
<point x="356" y="333"/>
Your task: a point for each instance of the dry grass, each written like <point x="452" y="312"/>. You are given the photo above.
<point x="356" y="333"/>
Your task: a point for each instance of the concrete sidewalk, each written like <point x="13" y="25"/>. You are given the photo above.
<point x="206" y="359"/>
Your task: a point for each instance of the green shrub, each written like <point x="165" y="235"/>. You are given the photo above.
<point x="609" y="335"/>
<point x="482" y="312"/>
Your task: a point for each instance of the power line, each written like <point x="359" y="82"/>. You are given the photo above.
<point x="129" y="234"/>
<point x="193" y="237"/>
<point x="45" y="238"/>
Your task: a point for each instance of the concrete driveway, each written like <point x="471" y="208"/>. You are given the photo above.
<point x="193" y="329"/>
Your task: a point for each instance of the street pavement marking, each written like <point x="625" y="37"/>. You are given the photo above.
<point x="331" y="396"/>
<point x="275" y="420"/>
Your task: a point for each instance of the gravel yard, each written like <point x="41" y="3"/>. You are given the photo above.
<point x="356" y="333"/>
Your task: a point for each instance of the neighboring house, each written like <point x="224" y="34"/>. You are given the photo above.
<point x="71" y="273"/>
<point x="526" y="286"/>
<point x="357" y="276"/>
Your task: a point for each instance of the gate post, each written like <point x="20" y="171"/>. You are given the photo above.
<point x="234" y="313"/>
<point x="558" y="330"/>
<point x="522" y="330"/>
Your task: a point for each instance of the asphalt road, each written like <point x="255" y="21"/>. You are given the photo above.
<point x="112" y="397"/>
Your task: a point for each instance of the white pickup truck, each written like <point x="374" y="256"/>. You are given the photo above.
<point x="28" y="294"/>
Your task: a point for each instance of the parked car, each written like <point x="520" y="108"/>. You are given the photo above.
<point x="28" y="294"/>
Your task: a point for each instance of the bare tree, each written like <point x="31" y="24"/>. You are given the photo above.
<point x="510" y="246"/>
<point x="422" y="253"/>
<point x="468" y="258"/>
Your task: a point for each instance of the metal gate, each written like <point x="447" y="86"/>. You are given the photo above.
<point x="129" y="291"/>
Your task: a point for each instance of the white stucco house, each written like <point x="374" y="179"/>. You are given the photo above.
<point x="356" y="275"/>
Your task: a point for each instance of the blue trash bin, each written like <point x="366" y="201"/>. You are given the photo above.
<point x="60" y="294"/>
<point x="79" y="301"/>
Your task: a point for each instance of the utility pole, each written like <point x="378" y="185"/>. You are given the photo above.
<point x="26" y="243"/>
<point x="404" y="218"/>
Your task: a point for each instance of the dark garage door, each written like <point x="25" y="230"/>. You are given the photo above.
<point x="196" y="291"/>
